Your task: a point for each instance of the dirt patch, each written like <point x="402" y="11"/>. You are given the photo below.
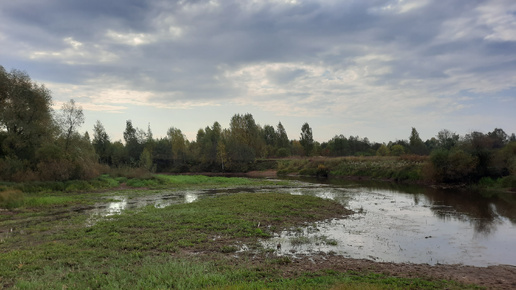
<point x="492" y="277"/>
<point x="262" y="174"/>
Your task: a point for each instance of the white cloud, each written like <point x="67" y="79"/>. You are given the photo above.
<point x="499" y="16"/>
<point x="132" y="39"/>
<point x="75" y="53"/>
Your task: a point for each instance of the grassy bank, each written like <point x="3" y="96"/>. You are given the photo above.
<point x="401" y="169"/>
<point x="184" y="246"/>
<point x="29" y="194"/>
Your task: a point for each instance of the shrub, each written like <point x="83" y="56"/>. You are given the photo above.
<point x="10" y="198"/>
<point x="453" y="165"/>
<point x="283" y="152"/>
<point x="77" y="185"/>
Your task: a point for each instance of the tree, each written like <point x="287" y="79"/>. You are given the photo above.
<point x="447" y="139"/>
<point x="177" y="139"/>
<point x="397" y="150"/>
<point x="243" y="142"/>
<point x="270" y="138"/>
<point x="307" y="140"/>
<point x="382" y="151"/>
<point x="70" y="119"/>
<point x="133" y="142"/>
<point x="222" y="155"/>
<point x="453" y="165"/>
<point x="246" y="133"/>
<point x="283" y="143"/>
<point x="101" y="143"/>
<point x="146" y="160"/>
<point x="416" y="144"/>
<point x="499" y="138"/>
<point x="25" y="115"/>
<point x="119" y="156"/>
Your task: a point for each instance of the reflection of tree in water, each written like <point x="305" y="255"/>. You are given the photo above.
<point x="483" y="214"/>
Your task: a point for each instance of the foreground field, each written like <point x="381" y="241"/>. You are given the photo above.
<point x="49" y="242"/>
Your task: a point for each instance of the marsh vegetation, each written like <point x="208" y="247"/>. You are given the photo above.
<point x="215" y="241"/>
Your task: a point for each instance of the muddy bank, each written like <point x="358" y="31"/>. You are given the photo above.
<point x="253" y="174"/>
<point x="492" y="277"/>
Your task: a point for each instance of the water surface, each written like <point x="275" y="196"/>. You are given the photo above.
<point x="391" y="223"/>
<point x="409" y="224"/>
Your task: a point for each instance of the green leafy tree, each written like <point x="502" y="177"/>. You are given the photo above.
<point x="119" y="156"/>
<point x="453" y="165"/>
<point x="177" y="139"/>
<point x="271" y="139"/>
<point x="146" y="160"/>
<point x="499" y="138"/>
<point x="447" y="139"/>
<point x="307" y="140"/>
<point x="397" y="150"/>
<point x="382" y="151"/>
<point x="101" y="143"/>
<point x="245" y="133"/>
<point x="283" y="143"/>
<point x="416" y="145"/>
<point x="25" y="115"/>
<point x="206" y="144"/>
<point x="243" y="142"/>
<point x="134" y="143"/>
<point x="222" y="154"/>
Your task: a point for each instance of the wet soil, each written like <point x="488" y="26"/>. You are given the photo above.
<point x="492" y="277"/>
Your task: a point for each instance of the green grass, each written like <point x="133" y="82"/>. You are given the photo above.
<point x="184" y="246"/>
<point x="395" y="168"/>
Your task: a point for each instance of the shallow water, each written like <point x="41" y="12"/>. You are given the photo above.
<point x="160" y="200"/>
<point x="391" y="223"/>
<point x="413" y="225"/>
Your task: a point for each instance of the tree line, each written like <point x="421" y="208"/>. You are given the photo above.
<point x="37" y="143"/>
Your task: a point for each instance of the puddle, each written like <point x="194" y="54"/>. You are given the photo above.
<point x="162" y="200"/>
<point x="393" y="226"/>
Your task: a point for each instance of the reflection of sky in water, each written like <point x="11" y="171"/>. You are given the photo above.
<point x="388" y="225"/>
<point x="191" y="197"/>
<point x="115" y="207"/>
<point x="399" y="227"/>
<point x="123" y="203"/>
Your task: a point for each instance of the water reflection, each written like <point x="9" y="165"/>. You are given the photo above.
<point x="393" y="223"/>
<point x="121" y="203"/>
<point x="418" y="225"/>
<point x="191" y="197"/>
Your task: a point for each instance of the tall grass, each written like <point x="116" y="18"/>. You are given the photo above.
<point x="10" y="198"/>
<point x="404" y="168"/>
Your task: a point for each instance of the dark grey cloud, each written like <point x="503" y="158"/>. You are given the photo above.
<point x="321" y="56"/>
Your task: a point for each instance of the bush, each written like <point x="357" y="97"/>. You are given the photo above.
<point x="322" y="171"/>
<point x="453" y="165"/>
<point x="283" y="152"/>
<point x="78" y="185"/>
<point x="10" y="198"/>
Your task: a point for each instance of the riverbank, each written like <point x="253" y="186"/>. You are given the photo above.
<point x="408" y="169"/>
<point x="209" y="243"/>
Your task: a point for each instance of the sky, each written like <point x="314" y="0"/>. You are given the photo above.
<point x="362" y="68"/>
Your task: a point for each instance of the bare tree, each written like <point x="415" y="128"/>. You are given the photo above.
<point x="70" y="119"/>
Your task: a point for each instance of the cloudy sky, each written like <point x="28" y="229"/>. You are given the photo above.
<point x="369" y="68"/>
